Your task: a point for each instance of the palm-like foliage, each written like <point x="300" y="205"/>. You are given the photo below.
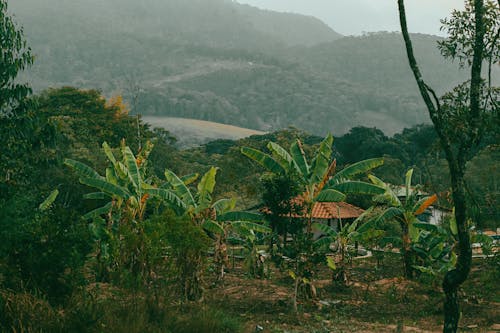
<point x="318" y="179"/>
<point x="229" y="223"/>
<point x="317" y="182"/>
<point x="405" y="212"/>
<point x="128" y="189"/>
<point x="125" y="184"/>
<point x="341" y="239"/>
<point x="218" y="218"/>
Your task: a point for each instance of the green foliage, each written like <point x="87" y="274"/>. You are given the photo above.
<point x="15" y="56"/>
<point x="404" y="208"/>
<point x="188" y="243"/>
<point x="460" y="28"/>
<point x="342" y="240"/>
<point x="43" y="252"/>
<point x="434" y="249"/>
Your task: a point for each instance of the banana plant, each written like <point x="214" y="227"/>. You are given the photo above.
<point x="405" y="212"/>
<point x="128" y="189"/>
<point x="318" y="179"/>
<point x="125" y="183"/>
<point x="231" y="223"/>
<point x="198" y="205"/>
<point x="218" y="218"/>
<point x="434" y="248"/>
<point x="318" y="182"/>
<point x="346" y="236"/>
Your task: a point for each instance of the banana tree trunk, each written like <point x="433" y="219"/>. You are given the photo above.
<point x="340" y="274"/>
<point x="294" y="296"/>
<point x="221" y="257"/>
<point x="407" y="253"/>
<point x="191" y="278"/>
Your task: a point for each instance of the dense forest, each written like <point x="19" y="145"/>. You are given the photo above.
<point x="107" y="225"/>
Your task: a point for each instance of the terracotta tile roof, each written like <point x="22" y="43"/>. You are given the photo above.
<point x="335" y="210"/>
<point x="331" y="210"/>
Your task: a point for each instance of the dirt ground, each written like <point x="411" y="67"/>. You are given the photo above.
<point x="376" y="300"/>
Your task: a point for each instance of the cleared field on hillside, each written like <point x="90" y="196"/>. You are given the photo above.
<point x="192" y="132"/>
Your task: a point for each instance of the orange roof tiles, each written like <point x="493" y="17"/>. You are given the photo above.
<point x="331" y="210"/>
<point x="335" y="210"/>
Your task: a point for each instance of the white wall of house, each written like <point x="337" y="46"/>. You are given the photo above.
<point x="437" y="215"/>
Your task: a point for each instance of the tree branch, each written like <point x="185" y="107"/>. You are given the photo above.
<point x="422" y="86"/>
<point x="436" y="100"/>
<point x="413" y="62"/>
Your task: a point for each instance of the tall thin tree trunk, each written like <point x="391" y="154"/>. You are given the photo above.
<point x="454" y="278"/>
<point x="456" y="157"/>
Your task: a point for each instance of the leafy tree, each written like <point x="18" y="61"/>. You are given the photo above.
<point x="362" y="143"/>
<point x="473" y="35"/>
<point x="217" y="217"/>
<point x="15" y="56"/>
<point x="43" y="251"/>
<point x="199" y="210"/>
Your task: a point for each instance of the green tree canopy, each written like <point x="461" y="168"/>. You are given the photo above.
<point x="15" y="57"/>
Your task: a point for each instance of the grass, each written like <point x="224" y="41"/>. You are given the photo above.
<point x="193" y="132"/>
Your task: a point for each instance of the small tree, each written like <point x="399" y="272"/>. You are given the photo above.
<point x="460" y="121"/>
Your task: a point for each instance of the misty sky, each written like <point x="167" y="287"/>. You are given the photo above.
<point x="352" y="17"/>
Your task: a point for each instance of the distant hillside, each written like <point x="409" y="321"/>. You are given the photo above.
<point x="292" y="29"/>
<point x="214" y="23"/>
<point x="220" y="61"/>
<point x="378" y="61"/>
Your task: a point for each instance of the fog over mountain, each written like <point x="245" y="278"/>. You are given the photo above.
<point x="222" y="61"/>
<point x="354" y="17"/>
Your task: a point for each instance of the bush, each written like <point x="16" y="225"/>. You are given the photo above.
<point x="188" y="245"/>
<point x="44" y="252"/>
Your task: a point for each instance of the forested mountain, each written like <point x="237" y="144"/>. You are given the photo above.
<point x="222" y="61"/>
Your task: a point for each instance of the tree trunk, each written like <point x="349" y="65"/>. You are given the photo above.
<point x="454" y="278"/>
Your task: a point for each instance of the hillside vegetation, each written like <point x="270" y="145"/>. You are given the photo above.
<point x="66" y="271"/>
<point x="221" y="61"/>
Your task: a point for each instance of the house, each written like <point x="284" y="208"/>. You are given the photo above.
<point x="330" y="213"/>
<point x="433" y="214"/>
